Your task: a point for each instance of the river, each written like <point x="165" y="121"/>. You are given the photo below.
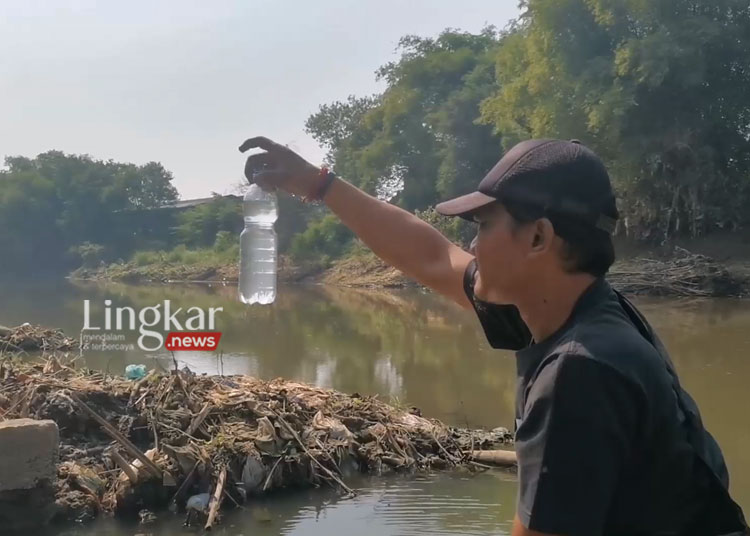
<point x="409" y="347"/>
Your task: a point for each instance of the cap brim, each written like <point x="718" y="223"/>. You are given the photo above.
<point x="465" y="206"/>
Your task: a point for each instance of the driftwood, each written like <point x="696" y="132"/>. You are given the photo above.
<point x="198" y="420"/>
<point x="117" y="436"/>
<point x="125" y="466"/>
<point x="313" y="458"/>
<point x="185" y="484"/>
<point x="681" y="274"/>
<point x="500" y="458"/>
<point x="216" y="499"/>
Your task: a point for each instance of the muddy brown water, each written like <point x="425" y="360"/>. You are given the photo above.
<point x="411" y="348"/>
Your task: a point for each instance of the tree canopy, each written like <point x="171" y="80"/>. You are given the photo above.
<point x="657" y="88"/>
<point x="420" y="137"/>
<point x="55" y="202"/>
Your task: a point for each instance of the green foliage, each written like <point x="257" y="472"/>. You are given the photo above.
<point x="226" y="253"/>
<point x="199" y="226"/>
<point x="657" y="88"/>
<point x="144" y="258"/>
<point x="91" y="255"/>
<point x="325" y="239"/>
<point x="29" y="236"/>
<point x="421" y="133"/>
<point x="224" y="241"/>
<point x="294" y="217"/>
<point x="458" y="230"/>
<point x="177" y="255"/>
<point x="56" y="201"/>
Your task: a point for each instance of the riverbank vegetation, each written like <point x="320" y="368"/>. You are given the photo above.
<point x="656" y="88"/>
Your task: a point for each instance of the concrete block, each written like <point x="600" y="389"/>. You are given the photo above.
<point x="28" y="453"/>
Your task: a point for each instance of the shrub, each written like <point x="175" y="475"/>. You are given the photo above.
<point x="91" y="254"/>
<point x="327" y="237"/>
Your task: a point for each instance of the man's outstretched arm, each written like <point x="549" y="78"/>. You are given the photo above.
<point x="398" y="237"/>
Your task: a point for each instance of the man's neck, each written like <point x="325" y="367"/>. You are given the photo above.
<point x="549" y="304"/>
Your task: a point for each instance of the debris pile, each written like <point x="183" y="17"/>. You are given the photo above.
<point x="683" y="274"/>
<point x="132" y="447"/>
<point x="31" y="338"/>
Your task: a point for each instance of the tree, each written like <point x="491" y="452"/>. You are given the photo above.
<point x="54" y="202"/>
<point x="323" y="240"/>
<point x="147" y="186"/>
<point x="419" y="140"/>
<point x="29" y="237"/>
<point x="199" y="226"/>
<point x="657" y="88"/>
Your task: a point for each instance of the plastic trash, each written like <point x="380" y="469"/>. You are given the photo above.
<point x="197" y="506"/>
<point x="253" y="474"/>
<point x="135" y="372"/>
<point x="199" y="502"/>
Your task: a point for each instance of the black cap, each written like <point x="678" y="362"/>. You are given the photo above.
<point x="561" y="177"/>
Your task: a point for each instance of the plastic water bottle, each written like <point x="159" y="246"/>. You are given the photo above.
<point x="258" y="247"/>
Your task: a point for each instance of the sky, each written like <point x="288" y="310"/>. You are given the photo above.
<point x="185" y="82"/>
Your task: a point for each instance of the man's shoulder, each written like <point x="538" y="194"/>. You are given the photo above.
<point x="607" y="337"/>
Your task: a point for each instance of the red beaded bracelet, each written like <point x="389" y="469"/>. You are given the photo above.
<point x="328" y="178"/>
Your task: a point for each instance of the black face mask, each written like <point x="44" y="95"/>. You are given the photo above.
<point x="503" y="325"/>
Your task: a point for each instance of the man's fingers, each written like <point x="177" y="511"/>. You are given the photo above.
<point x="269" y="180"/>
<point x="257" y="162"/>
<point x="260" y="142"/>
<point x="265" y="186"/>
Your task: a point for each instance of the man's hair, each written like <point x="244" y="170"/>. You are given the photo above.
<point x="587" y="249"/>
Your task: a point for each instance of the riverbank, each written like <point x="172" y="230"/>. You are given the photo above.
<point x="674" y="272"/>
<point x="176" y="439"/>
<point x="362" y="270"/>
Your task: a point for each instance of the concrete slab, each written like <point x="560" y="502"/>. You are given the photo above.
<point x="28" y="453"/>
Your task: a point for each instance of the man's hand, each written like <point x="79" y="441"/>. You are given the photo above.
<point x="280" y="167"/>
<point x="396" y="236"/>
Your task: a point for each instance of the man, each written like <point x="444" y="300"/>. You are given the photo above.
<point x="608" y="443"/>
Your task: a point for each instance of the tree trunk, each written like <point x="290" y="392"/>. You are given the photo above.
<point x="672" y="210"/>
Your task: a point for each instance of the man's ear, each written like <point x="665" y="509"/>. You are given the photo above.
<point x="544" y="233"/>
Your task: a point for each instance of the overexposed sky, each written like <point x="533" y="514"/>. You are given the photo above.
<point x="185" y="82"/>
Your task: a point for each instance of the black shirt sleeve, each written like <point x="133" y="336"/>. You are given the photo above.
<point x="575" y="438"/>
<point x="502" y="324"/>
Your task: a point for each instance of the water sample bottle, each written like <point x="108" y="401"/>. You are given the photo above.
<point x="258" y="247"/>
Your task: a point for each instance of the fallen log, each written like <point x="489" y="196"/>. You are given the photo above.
<point x="501" y="458"/>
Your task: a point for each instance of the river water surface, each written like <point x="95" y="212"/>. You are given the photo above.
<point x="409" y="347"/>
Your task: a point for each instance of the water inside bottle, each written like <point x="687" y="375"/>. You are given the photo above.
<point x="258" y="265"/>
<point x="258" y="248"/>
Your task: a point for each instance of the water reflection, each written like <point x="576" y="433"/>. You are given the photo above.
<point x="429" y="504"/>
